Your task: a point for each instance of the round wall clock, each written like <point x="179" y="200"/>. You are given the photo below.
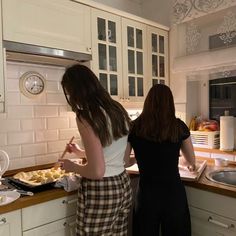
<point x="32" y="84"/>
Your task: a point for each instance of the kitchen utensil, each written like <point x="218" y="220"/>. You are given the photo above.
<point x="64" y="153"/>
<point x="4" y="163"/>
<point x="57" y="165"/>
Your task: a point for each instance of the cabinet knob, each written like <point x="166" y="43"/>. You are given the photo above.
<point x="89" y="49"/>
<point x="3" y="221"/>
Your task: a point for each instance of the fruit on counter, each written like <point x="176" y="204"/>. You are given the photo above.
<point x="193" y="123"/>
<point x="208" y="125"/>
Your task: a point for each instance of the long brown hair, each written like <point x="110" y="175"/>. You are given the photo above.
<point x="90" y="101"/>
<point x="157" y="122"/>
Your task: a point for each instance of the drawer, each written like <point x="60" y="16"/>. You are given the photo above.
<point x="47" y="212"/>
<point x="63" y="227"/>
<point x="213" y="202"/>
<point x="206" y="223"/>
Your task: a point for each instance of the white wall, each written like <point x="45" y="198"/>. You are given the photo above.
<point x="130" y="6"/>
<point x="35" y="131"/>
<point x="158" y="10"/>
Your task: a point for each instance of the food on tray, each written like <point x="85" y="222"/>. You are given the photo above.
<point x="39" y="177"/>
<point x="3" y="198"/>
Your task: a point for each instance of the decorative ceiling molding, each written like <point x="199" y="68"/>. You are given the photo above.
<point x="185" y="10"/>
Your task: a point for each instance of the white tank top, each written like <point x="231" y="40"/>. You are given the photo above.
<point x="114" y="157"/>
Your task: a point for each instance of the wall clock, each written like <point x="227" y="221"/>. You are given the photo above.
<point x="32" y="84"/>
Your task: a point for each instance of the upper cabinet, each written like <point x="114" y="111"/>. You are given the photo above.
<point x="134" y="44"/>
<point x="158" y="55"/>
<point x="107" y="56"/>
<point x="57" y="24"/>
<point x="128" y="56"/>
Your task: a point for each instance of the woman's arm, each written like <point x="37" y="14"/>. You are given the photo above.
<point x="188" y="153"/>
<point x="95" y="166"/>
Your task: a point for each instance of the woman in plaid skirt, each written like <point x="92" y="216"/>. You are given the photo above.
<point x="104" y="195"/>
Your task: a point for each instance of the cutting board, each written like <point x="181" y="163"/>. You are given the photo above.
<point x="183" y="170"/>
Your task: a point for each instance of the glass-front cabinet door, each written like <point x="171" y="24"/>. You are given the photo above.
<point x="134" y="60"/>
<point x="106" y="56"/>
<point x="158" y="55"/>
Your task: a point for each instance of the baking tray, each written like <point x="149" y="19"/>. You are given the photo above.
<point x="28" y="187"/>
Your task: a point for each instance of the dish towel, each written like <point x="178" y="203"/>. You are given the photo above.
<point x="69" y="183"/>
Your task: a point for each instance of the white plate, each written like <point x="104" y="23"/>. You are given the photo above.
<point x="11" y="196"/>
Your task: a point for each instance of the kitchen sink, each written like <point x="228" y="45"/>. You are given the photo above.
<point x="226" y="177"/>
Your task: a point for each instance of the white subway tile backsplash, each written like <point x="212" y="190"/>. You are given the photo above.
<point x="20" y="112"/>
<point x="9" y="125"/>
<point x="33" y="124"/>
<point x="68" y="133"/>
<point x="13" y="98"/>
<point x="21" y="163"/>
<point x="34" y="131"/>
<point x="20" y="138"/>
<point x="46" y="159"/>
<point x="66" y="111"/>
<point x="12" y="85"/>
<point x="39" y="100"/>
<point x="34" y="149"/>
<point x="45" y="111"/>
<point x="46" y="135"/>
<point x="58" y="146"/>
<point x="73" y="123"/>
<point x="13" y="152"/>
<point x="52" y="86"/>
<point x="56" y="99"/>
<point x="58" y="123"/>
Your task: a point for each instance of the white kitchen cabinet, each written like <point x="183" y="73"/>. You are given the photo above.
<point x="158" y="55"/>
<point x="107" y="56"/>
<point x="119" y="55"/>
<point x="211" y="214"/>
<point x="55" y="217"/>
<point x="60" y="24"/>
<point x="10" y="223"/>
<point x="63" y="227"/>
<point x="134" y="44"/>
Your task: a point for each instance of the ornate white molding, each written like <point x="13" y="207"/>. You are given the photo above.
<point x="227" y="30"/>
<point x="193" y="36"/>
<point x="184" y="10"/>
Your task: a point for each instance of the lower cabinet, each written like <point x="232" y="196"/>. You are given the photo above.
<point x="53" y="218"/>
<point x="211" y="214"/>
<point x="10" y="223"/>
<point x="63" y="227"/>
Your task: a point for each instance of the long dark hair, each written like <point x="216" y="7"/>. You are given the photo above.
<point x="90" y="101"/>
<point x="157" y="122"/>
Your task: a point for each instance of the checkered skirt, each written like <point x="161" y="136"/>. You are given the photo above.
<point x="104" y="206"/>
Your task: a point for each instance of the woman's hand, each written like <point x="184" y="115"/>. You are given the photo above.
<point x="68" y="165"/>
<point x="75" y="148"/>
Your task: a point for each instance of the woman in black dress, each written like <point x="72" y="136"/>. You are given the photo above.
<point x="157" y="137"/>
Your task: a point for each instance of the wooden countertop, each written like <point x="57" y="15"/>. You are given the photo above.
<point x="47" y="195"/>
<point x="40" y="197"/>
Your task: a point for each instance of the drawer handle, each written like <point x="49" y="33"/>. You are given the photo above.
<point x="69" y="201"/>
<point x="3" y="221"/>
<point x="216" y="222"/>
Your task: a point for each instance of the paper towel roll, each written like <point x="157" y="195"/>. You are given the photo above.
<point x="226" y="133"/>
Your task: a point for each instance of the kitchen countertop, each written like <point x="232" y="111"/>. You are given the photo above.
<point x="202" y="183"/>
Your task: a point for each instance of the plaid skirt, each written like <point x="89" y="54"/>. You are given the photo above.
<point x="104" y="206"/>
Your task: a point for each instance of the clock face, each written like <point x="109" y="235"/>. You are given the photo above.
<point x="32" y="84"/>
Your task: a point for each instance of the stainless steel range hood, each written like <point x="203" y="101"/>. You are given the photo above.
<point x="42" y="55"/>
